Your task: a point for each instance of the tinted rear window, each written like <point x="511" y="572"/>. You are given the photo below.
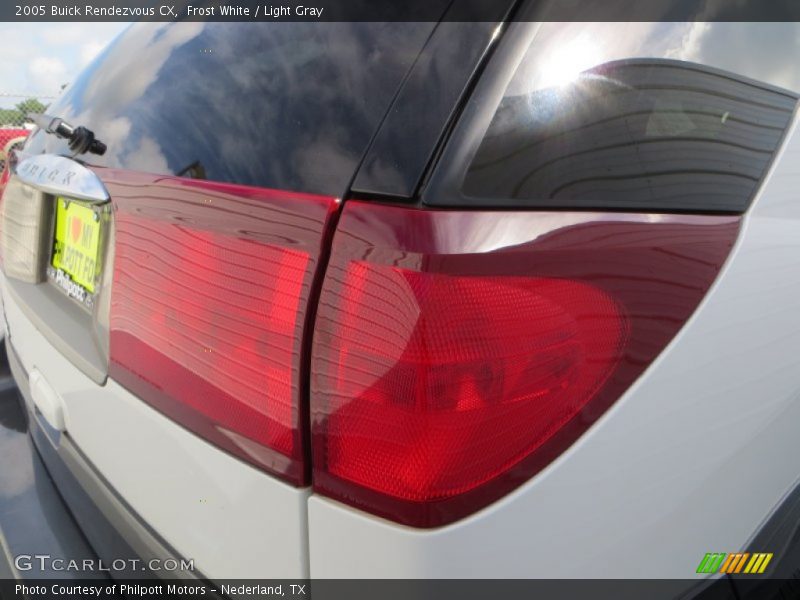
<point x="280" y="105"/>
<point x="663" y="116"/>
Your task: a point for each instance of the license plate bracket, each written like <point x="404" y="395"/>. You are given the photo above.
<point x="75" y="264"/>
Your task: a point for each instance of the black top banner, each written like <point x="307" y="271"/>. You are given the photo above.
<point x="396" y="10"/>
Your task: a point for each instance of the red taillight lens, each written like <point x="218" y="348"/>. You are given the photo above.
<point x="208" y="304"/>
<point x="464" y="363"/>
<point x="455" y="354"/>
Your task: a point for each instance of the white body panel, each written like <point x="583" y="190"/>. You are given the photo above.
<point x="692" y="459"/>
<point x="233" y="520"/>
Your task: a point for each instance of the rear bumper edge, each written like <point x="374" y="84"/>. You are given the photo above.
<point x="113" y="530"/>
<point x="34" y="520"/>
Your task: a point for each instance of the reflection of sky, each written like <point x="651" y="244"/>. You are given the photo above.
<point x="98" y="99"/>
<point x="287" y="105"/>
<point x="38" y="58"/>
<point x="766" y="52"/>
<point x="463" y="232"/>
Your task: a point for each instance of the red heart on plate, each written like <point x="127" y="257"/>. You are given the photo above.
<point x="76" y="227"/>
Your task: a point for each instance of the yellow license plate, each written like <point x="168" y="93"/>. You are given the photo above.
<point x="77" y="242"/>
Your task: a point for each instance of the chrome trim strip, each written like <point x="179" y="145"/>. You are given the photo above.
<point x="61" y="176"/>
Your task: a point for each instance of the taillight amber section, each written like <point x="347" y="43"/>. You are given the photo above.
<point x="456" y="353"/>
<point x="209" y="298"/>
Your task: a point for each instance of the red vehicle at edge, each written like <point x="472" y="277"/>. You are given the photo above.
<point x="9" y="139"/>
